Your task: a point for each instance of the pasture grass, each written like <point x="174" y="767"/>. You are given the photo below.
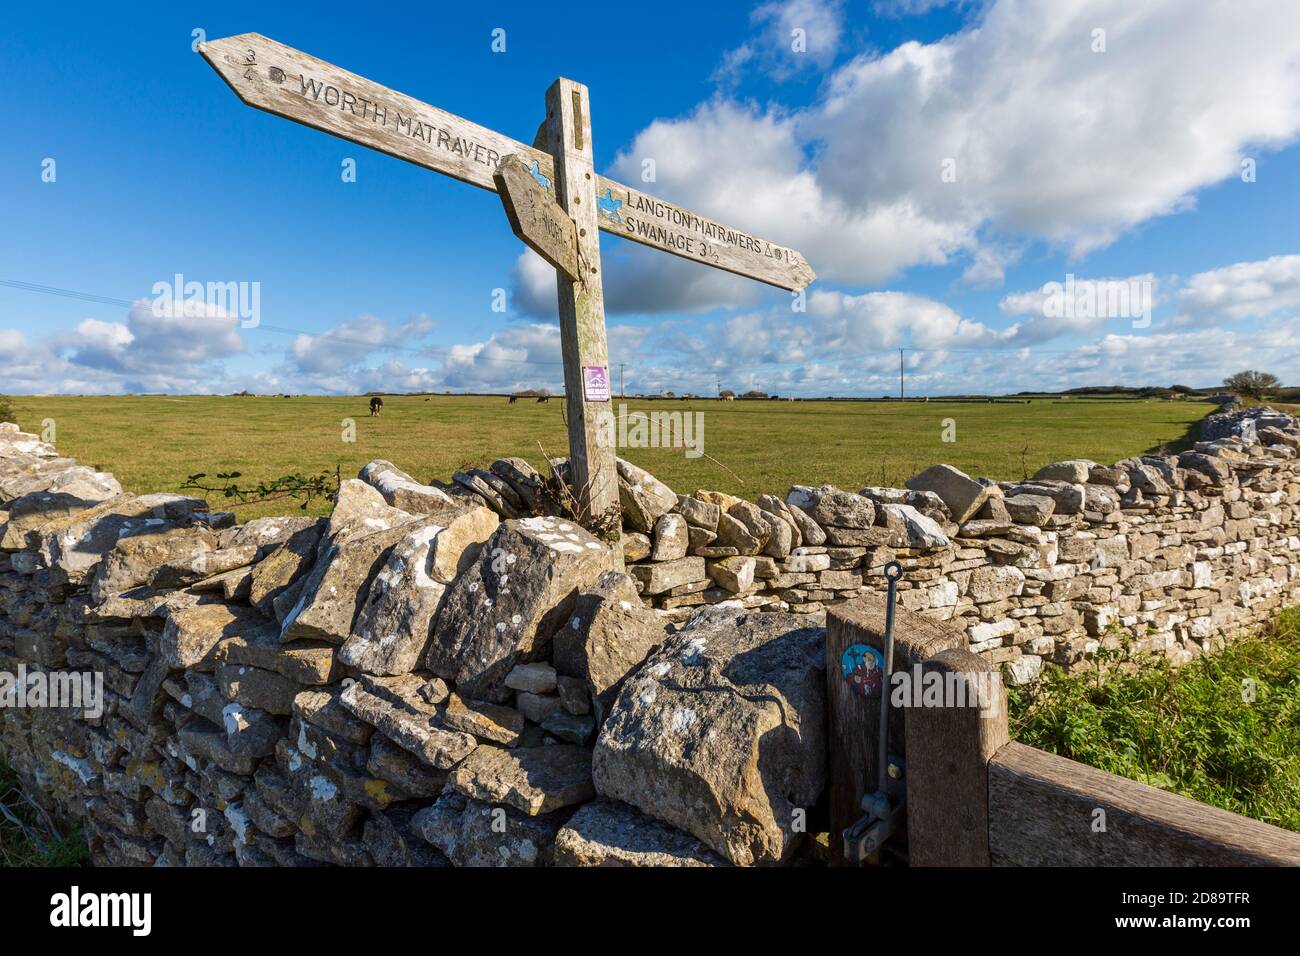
<point x="152" y="443"/>
<point x="1223" y="729"/>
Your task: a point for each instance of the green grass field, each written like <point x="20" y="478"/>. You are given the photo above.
<point x="152" y="443"/>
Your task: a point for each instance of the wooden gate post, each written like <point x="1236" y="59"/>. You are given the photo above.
<point x="582" y="306"/>
<point x="948" y="752"/>
<point x="853" y="720"/>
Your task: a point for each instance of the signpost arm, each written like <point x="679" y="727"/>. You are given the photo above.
<point x="582" y="304"/>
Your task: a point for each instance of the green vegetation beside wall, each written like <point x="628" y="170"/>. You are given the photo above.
<point x="28" y="837"/>
<point x="1224" y="729"/>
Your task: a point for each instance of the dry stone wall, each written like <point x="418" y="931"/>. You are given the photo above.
<point x="1163" y="553"/>
<point x="456" y="674"/>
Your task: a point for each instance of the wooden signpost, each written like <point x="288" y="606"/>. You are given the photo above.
<point x="557" y="211"/>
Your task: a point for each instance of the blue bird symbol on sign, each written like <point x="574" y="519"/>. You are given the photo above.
<point x="540" y="176"/>
<point x="610" y="206"/>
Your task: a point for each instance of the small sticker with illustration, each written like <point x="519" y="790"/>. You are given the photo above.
<point x="863" y="668"/>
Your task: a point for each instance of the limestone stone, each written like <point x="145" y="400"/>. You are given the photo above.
<point x="388" y="761"/>
<point x="536" y="678"/>
<point x="528" y="483"/>
<point x="506" y="608"/>
<point x="610" y="833"/>
<point x="284" y="566"/>
<point x="962" y="494"/>
<point x="698" y="513"/>
<point x="1030" y="509"/>
<point x="610" y="633"/>
<point x="911" y="529"/>
<point x="671" y="539"/>
<point x="533" y="780"/>
<point x="393" y="628"/>
<point x="733" y="574"/>
<point x="829" y="506"/>
<point x="719" y="499"/>
<point x="492" y="722"/>
<point x="191" y="634"/>
<point x="254" y="687"/>
<point x="756" y="521"/>
<point x="636" y="546"/>
<point x="336" y="587"/>
<point x="664" y="575"/>
<point x="536" y="707"/>
<point x="569" y="728"/>
<point x="721" y="733"/>
<point x="732" y="533"/>
<point x="466" y="832"/>
<point x="135" y="558"/>
<point x="642" y="496"/>
<point x="402" y="491"/>
<point x="73" y="546"/>
<point x="417" y="731"/>
<point x="360" y="509"/>
<point x="1075" y="471"/>
<point x="699" y="538"/>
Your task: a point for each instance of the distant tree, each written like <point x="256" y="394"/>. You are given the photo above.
<point x="1252" y="384"/>
<point x="754" y="393"/>
<point x="726" y="393"/>
<point x="670" y="394"/>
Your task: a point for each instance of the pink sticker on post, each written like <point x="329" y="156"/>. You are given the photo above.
<point x="595" y="383"/>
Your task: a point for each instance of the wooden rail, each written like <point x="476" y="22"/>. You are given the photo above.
<point x="1045" y="810"/>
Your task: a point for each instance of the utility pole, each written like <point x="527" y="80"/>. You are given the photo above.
<point x="900" y="375"/>
<point x="621" y="393"/>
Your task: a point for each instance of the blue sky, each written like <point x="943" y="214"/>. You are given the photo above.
<point x="939" y="165"/>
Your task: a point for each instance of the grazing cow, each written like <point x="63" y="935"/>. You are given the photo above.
<point x="543" y="399"/>
<point x="513" y="399"/>
<point x="376" y="406"/>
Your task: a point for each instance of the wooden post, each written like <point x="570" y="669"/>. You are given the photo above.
<point x="854" y="720"/>
<point x="582" y="304"/>
<point x="948" y="752"/>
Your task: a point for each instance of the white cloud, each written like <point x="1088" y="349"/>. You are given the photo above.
<point x="351" y="341"/>
<point x="12" y="342"/>
<point x="988" y="266"/>
<point x="912" y="8"/>
<point x="1245" y="290"/>
<point x="881" y="320"/>
<point x="1076" y="305"/>
<point x="1050" y="140"/>
<point x="515" y="357"/>
<point x="790" y="36"/>
<point x="180" y="331"/>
